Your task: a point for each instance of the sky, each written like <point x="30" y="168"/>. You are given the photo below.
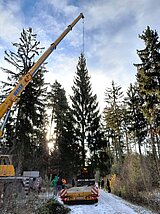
<point x="111" y="37"/>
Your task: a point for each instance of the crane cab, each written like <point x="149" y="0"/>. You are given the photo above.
<point x="6" y="167"/>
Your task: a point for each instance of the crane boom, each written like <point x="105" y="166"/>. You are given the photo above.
<point x="24" y="81"/>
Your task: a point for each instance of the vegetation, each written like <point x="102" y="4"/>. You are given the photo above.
<point x="85" y="113"/>
<point x="52" y="206"/>
<point x="63" y="156"/>
<point x="34" y="204"/>
<point x="123" y="141"/>
<point x="138" y="176"/>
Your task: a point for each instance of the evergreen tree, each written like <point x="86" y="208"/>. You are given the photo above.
<point x="85" y="112"/>
<point x="136" y="121"/>
<point x="68" y="147"/>
<point x="26" y="127"/>
<point x="137" y="125"/>
<point x="148" y="78"/>
<point x="63" y="156"/>
<point x="148" y="74"/>
<point x="113" y="114"/>
<point x="59" y="106"/>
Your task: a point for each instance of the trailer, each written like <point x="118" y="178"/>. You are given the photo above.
<point x="86" y="191"/>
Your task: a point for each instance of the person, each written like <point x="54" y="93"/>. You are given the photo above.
<point x="54" y="182"/>
<point x="108" y="185"/>
<point x="39" y="184"/>
<point x="73" y="182"/>
<point x="102" y="183"/>
<point x="99" y="183"/>
<point x="64" y="183"/>
<point x="59" y="184"/>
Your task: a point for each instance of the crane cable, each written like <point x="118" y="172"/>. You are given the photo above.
<point x="83" y="38"/>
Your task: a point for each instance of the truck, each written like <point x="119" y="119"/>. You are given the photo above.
<point x="9" y="183"/>
<point x="85" y="191"/>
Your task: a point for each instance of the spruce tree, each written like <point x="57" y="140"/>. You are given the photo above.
<point x="85" y="112"/>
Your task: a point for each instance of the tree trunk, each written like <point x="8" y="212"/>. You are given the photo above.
<point x="155" y="153"/>
<point x="127" y="143"/>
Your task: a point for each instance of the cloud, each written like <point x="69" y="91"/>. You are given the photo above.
<point x="62" y="7"/>
<point x="62" y="68"/>
<point x="112" y="36"/>
<point x="10" y="20"/>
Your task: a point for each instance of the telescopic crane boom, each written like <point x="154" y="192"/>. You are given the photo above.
<point x="25" y="80"/>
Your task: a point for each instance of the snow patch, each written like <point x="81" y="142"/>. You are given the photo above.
<point x="109" y="204"/>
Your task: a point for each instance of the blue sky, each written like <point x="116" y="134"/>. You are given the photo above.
<point x="111" y="36"/>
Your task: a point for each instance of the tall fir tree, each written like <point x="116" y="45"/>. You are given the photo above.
<point x="85" y="112"/>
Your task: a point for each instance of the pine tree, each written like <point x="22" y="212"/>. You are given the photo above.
<point x="26" y="127"/>
<point x="85" y="112"/>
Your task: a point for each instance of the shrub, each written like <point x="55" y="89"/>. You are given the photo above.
<point x="134" y="177"/>
<point x="52" y="207"/>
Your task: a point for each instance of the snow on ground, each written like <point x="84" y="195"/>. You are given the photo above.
<point x="109" y="204"/>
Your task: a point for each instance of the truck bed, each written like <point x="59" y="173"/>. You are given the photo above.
<point x="83" y="194"/>
<point x="79" y="189"/>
